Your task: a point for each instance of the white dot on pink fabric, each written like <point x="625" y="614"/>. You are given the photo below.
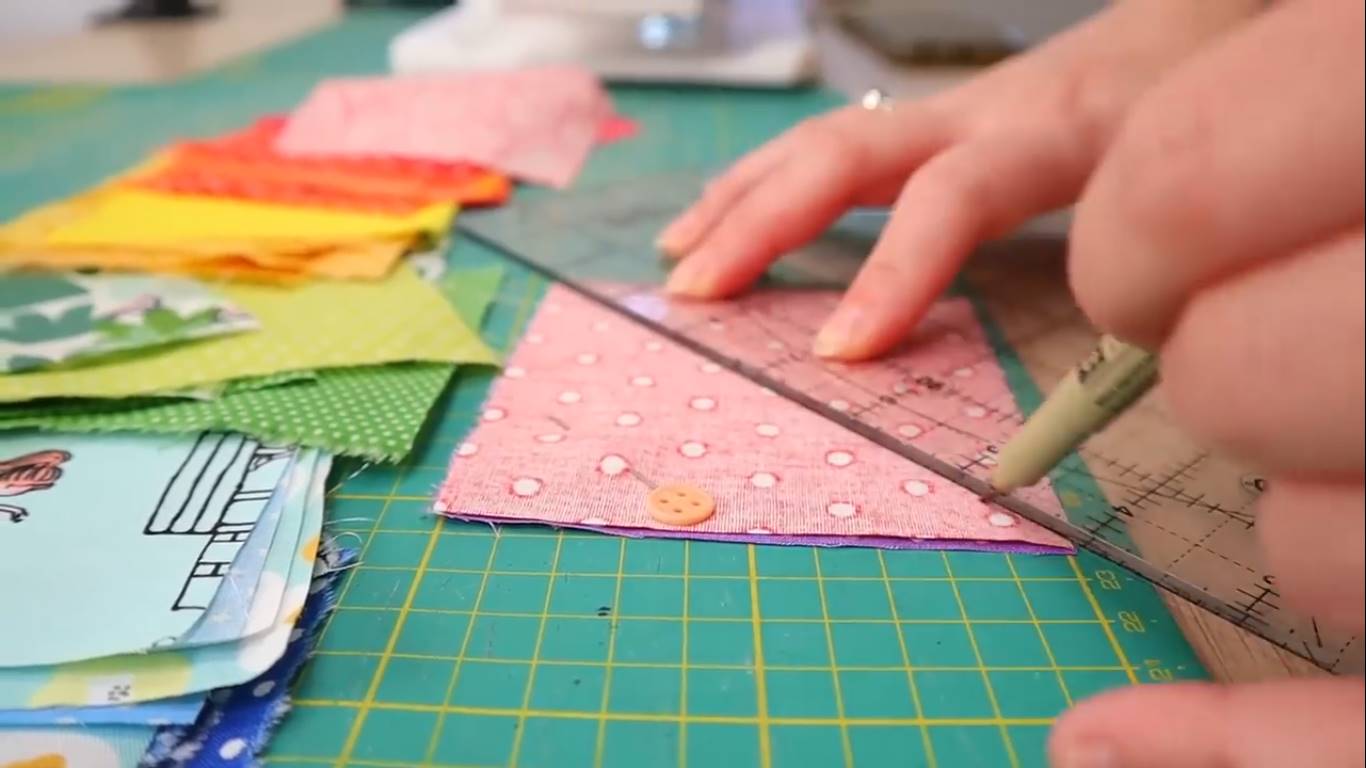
<point x="900" y="388"/>
<point x="515" y="372"/>
<point x="587" y="358"/>
<point x="916" y="487"/>
<point x="716" y="325"/>
<point x="763" y="480"/>
<point x="467" y="449"/>
<point x="767" y="430"/>
<point x="709" y="368"/>
<point x="965" y="373"/>
<point x="534" y="338"/>
<point x="759" y="532"/>
<point x="526" y="486"/>
<point x="839" y="458"/>
<point x="494" y="414"/>
<point x="841" y="509"/>
<point x="653" y="346"/>
<point x="593" y="521"/>
<point x="909" y="430"/>
<point x="550" y="437"/>
<point x="975" y="411"/>
<point x="766" y="392"/>
<point x="553" y="308"/>
<point x="601" y="326"/>
<point x="702" y="404"/>
<point x="1000" y="520"/>
<point x="840" y="405"/>
<point x="776" y="346"/>
<point x="628" y="419"/>
<point x="693" y="449"/>
<point x="642" y="381"/>
<point x="569" y="397"/>
<point x="612" y="465"/>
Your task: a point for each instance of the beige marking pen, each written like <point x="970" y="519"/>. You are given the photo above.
<point x="1107" y="382"/>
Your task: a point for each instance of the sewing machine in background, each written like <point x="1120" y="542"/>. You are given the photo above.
<point x="759" y="43"/>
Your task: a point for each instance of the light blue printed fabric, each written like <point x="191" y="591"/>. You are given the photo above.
<point x="164" y="673"/>
<point x="258" y="591"/>
<point x="236" y="725"/>
<point x="116" y="543"/>
<point x="178" y="711"/>
<point x="103" y="747"/>
<point x="255" y="583"/>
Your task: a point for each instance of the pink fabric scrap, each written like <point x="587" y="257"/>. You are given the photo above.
<point x="617" y="128"/>
<point x="594" y="410"/>
<point x="536" y="125"/>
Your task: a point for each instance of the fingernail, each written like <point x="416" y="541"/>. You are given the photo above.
<point x="1086" y="754"/>
<point x="839" y="332"/>
<point x="686" y="280"/>
<point x="677" y="237"/>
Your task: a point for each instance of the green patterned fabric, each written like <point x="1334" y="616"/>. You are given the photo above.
<point x="374" y="412"/>
<point x="55" y="319"/>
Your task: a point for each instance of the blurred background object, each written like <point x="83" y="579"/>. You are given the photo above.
<point x="765" y="43"/>
<point x="65" y="41"/>
<point x="399" y="3"/>
<point x="735" y="42"/>
<point x="36" y="19"/>
<point x="956" y="32"/>
<point x="133" y="10"/>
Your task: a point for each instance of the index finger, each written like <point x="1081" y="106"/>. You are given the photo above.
<point x="1250" y="151"/>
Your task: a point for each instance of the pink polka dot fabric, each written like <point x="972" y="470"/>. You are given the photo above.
<point x="594" y="410"/>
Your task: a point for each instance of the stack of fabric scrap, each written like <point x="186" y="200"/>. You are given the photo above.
<point x="363" y="172"/>
<point x="348" y="367"/>
<point x="185" y="348"/>
<point x="193" y="577"/>
<point x="167" y="511"/>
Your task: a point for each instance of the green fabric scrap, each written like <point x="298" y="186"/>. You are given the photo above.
<point x="374" y="412"/>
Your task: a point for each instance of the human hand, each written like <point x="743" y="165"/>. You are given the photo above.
<point x="965" y="166"/>
<point x="1224" y="228"/>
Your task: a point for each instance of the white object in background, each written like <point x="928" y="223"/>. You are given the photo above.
<point x="24" y="21"/>
<point x="760" y="43"/>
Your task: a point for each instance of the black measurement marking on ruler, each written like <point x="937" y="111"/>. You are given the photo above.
<point x="1260" y="599"/>
<point x="1110" y="523"/>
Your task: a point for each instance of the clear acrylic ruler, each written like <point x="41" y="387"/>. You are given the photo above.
<point x="1140" y="494"/>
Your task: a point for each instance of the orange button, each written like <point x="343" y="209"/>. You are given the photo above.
<point x="680" y="505"/>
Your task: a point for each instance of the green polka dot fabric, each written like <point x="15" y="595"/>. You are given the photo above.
<point x="373" y="412"/>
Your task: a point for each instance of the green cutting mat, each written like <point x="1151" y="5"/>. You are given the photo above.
<point x="458" y="645"/>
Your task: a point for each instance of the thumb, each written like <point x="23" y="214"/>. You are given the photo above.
<point x="1295" y="722"/>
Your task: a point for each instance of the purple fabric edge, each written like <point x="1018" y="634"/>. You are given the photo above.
<point x="787" y="540"/>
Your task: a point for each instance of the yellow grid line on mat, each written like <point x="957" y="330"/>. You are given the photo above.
<point x="981" y="665"/>
<point x="535" y="654"/>
<point x="434" y="535"/>
<point x="649" y="717"/>
<point x="845" y="745"/>
<point x="763" y="720"/>
<point x="919" y="705"/>
<point x="1038" y="628"/>
<point x="1105" y="625"/>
